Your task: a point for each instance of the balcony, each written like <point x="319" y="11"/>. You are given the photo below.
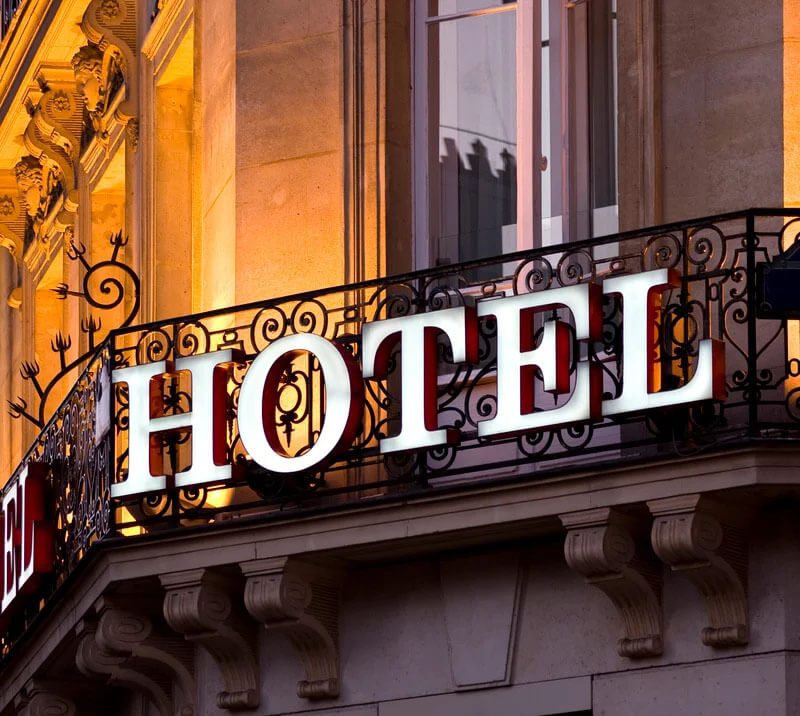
<point x="84" y="445"/>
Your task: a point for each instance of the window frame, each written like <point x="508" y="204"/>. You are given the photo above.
<point x="528" y="118"/>
<point x="571" y="127"/>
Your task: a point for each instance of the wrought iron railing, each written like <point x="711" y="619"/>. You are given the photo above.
<point x="78" y="490"/>
<point x="85" y="443"/>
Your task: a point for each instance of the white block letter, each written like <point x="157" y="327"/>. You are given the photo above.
<point x="641" y="301"/>
<point x="419" y="371"/>
<point x="206" y="419"/>
<point x="10" y="520"/>
<point x="517" y="359"/>
<point x="344" y="403"/>
<point x="37" y="534"/>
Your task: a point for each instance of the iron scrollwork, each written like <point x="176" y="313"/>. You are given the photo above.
<point x="106" y="285"/>
<point x="715" y="259"/>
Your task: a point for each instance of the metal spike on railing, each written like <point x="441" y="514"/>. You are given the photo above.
<point x="91" y="326"/>
<point x="61" y="344"/>
<point x="62" y="290"/>
<point x="117" y="240"/>
<point x="76" y="252"/>
<point x="95" y="291"/>
<point x="29" y="370"/>
<point x="18" y="409"/>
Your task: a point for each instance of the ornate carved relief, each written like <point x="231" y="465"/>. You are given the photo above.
<point x="123" y="648"/>
<point x="38" y="188"/>
<point x="106" y="70"/>
<point x="199" y="605"/>
<point x="300" y="600"/>
<point x="702" y="540"/>
<point x="610" y="550"/>
<point x="46" y="176"/>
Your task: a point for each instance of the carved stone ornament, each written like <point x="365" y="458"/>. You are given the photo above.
<point x="610" y="550"/>
<point x="42" y="698"/>
<point x="301" y="600"/>
<point x="7" y="207"/>
<point x="110" y="10"/>
<point x="47" y="175"/>
<point x="91" y="80"/>
<point x="203" y="607"/>
<point x="703" y="540"/>
<point x="123" y="648"/>
<point x="35" y="187"/>
<point x="106" y="69"/>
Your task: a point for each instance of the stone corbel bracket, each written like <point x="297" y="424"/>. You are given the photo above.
<point x="301" y="600"/>
<point x="122" y="648"/>
<point x="202" y="606"/>
<point x="609" y="549"/>
<point x="52" y="136"/>
<point x="704" y="541"/>
<point x="44" y="698"/>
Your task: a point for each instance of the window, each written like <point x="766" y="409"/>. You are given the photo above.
<point x="515" y="130"/>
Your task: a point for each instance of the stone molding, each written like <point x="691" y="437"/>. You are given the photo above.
<point x="201" y="605"/>
<point x="301" y="600"/>
<point x="609" y="549"/>
<point x="171" y="22"/>
<point x="122" y="648"/>
<point x="703" y="540"/>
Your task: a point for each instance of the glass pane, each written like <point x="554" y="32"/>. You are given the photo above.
<point x="451" y="7"/>
<point x="603" y="108"/>
<point x="473" y="178"/>
<point x="552" y="174"/>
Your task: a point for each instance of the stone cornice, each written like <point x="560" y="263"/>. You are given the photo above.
<point x="19" y="40"/>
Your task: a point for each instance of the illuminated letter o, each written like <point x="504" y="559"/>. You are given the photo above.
<point x="344" y="396"/>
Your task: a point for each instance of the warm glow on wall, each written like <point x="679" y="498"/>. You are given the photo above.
<point x="791" y="102"/>
<point x="791" y="145"/>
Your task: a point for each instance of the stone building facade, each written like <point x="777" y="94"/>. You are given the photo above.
<point x="260" y="168"/>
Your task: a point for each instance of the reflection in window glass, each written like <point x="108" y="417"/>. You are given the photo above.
<point x="451" y="7"/>
<point x="473" y="180"/>
<point x="591" y="95"/>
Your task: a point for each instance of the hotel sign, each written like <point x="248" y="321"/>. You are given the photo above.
<point x="28" y="536"/>
<point x="518" y="357"/>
